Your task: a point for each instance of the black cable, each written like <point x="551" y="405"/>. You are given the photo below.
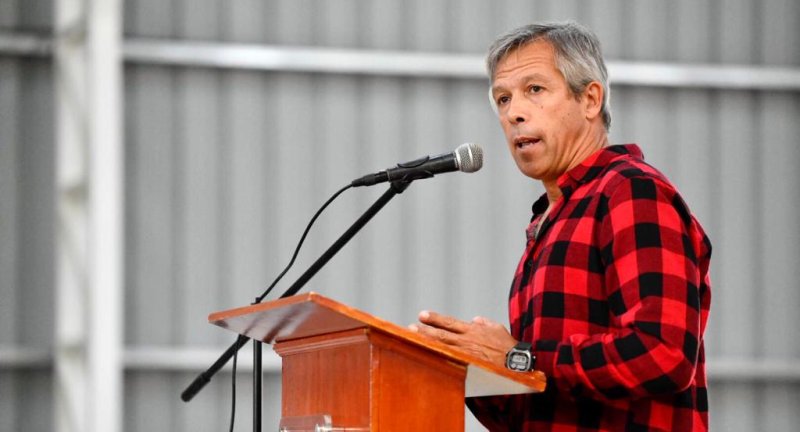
<point x="233" y="389"/>
<point x="272" y="285"/>
<point x="302" y="239"/>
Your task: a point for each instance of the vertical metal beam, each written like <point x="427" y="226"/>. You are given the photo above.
<point x="71" y="339"/>
<point x="89" y="294"/>
<point x="104" y="42"/>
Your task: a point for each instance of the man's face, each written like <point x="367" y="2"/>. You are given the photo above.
<point x="545" y="125"/>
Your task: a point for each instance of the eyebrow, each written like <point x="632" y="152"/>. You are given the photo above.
<point x="527" y="78"/>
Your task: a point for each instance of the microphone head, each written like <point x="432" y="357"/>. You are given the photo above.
<point x="469" y="157"/>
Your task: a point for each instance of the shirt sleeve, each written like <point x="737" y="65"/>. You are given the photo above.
<point x="649" y="246"/>
<point x="492" y="411"/>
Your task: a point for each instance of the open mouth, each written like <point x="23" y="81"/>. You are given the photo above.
<point x="523" y="142"/>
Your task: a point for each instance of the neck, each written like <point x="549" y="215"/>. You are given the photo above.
<point x="595" y="139"/>
<point x="552" y="190"/>
<point x="551" y="184"/>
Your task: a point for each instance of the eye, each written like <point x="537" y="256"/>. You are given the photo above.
<point x="535" y="89"/>
<point x="502" y="100"/>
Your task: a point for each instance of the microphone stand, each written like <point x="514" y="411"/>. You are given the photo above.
<point x="396" y="187"/>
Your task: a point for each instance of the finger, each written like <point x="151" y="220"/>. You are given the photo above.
<point x="440" y="335"/>
<point x="486" y="322"/>
<point x="482" y="320"/>
<point x="443" y="322"/>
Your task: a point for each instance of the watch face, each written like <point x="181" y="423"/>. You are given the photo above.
<point x="519" y="361"/>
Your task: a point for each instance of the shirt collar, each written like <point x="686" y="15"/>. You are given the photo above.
<point x="586" y="171"/>
<point x="592" y="166"/>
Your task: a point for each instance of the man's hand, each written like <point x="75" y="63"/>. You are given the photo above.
<point x="480" y="337"/>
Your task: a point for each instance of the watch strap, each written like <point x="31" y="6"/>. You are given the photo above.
<point x="523" y="346"/>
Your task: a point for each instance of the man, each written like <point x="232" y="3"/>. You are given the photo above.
<point x="612" y="294"/>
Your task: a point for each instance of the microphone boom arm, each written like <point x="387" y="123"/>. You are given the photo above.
<point x="395" y="188"/>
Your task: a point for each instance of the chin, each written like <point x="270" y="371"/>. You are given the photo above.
<point x="528" y="171"/>
<point x="532" y="174"/>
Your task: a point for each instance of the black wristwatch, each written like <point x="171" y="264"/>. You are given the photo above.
<point x="521" y="358"/>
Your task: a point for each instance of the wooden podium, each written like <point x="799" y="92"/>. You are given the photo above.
<point x="365" y="373"/>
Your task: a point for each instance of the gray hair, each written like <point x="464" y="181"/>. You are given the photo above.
<point x="577" y="55"/>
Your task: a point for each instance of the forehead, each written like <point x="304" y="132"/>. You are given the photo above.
<point x="533" y="57"/>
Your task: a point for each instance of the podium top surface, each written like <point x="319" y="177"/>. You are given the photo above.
<point x="312" y="314"/>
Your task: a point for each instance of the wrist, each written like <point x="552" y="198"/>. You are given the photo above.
<point x="520" y="357"/>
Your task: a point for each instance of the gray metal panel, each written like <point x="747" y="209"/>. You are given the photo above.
<point x="780" y="232"/>
<point x="294" y="144"/>
<point x="469" y="25"/>
<point x="737" y="303"/>
<point x="153" y="18"/>
<point x="383" y="250"/>
<point x="10" y="72"/>
<point x="8" y="400"/>
<point x="9" y="227"/>
<point x="384" y="24"/>
<point x="34" y="400"/>
<point x="293" y="25"/>
<point x="8" y="14"/>
<point x="30" y="14"/>
<point x="428" y="25"/>
<point x="780" y="207"/>
<point x="554" y="10"/>
<point x="36" y="235"/>
<point x="652" y="30"/>
<point x="513" y="14"/>
<point x="695" y="23"/>
<point x="342" y="23"/>
<point x="429" y="204"/>
<point x="247" y="21"/>
<point x="650" y="113"/>
<point x="736" y="406"/>
<point x="202" y="19"/>
<point x="152" y="225"/>
<point x="247" y="234"/>
<point x="202" y="207"/>
<point x="152" y="404"/>
<point x="779" y="37"/>
<point x="27" y="229"/>
<point x="605" y="18"/>
<point x="695" y="153"/>
<point x="780" y="407"/>
<point x="737" y="40"/>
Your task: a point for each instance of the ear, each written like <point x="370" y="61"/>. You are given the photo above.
<point x="593" y="99"/>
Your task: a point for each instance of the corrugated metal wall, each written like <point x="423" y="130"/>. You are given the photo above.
<point x="225" y="167"/>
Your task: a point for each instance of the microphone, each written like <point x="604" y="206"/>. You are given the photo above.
<point x="467" y="157"/>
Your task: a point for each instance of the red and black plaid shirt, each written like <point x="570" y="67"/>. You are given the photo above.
<point x="614" y="294"/>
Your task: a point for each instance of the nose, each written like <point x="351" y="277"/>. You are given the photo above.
<point x="516" y="112"/>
